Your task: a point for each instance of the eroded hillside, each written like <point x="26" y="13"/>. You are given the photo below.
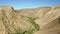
<point x="44" y="20"/>
<point x="13" y="23"/>
<point x="46" y="17"/>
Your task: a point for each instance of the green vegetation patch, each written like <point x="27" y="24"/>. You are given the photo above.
<point x="36" y="26"/>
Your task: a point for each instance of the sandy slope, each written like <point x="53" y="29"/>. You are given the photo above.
<point x="53" y="30"/>
<point x="49" y="23"/>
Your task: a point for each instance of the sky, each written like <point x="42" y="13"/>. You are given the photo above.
<point x="21" y="4"/>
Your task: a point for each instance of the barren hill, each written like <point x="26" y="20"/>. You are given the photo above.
<point x="44" y="20"/>
<point x="12" y="23"/>
<point x="46" y="17"/>
<point x="33" y="12"/>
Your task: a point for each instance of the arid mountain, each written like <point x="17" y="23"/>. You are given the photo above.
<point x="12" y="23"/>
<point x="33" y="12"/>
<point x="46" y="17"/>
<point x="44" y="20"/>
<point x="49" y="23"/>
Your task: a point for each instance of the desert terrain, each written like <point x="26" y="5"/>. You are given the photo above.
<point x="41" y="20"/>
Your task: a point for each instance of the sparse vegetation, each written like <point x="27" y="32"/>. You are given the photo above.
<point x="36" y="26"/>
<point x="29" y="21"/>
